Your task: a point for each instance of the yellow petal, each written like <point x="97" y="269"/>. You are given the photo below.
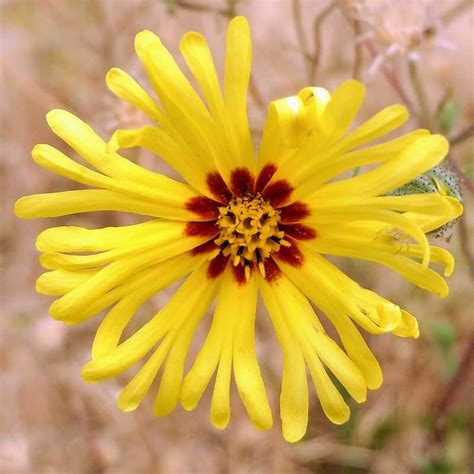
<point x="80" y="136"/>
<point x="179" y="157"/>
<point x="192" y="298"/>
<point x="78" y="300"/>
<point x="80" y="239"/>
<point x="238" y="63"/>
<point x="246" y="369"/>
<point x="366" y="214"/>
<point x="134" y="392"/>
<point x="349" y="247"/>
<point x="408" y="326"/>
<point x="86" y="200"/>
<point x="125" y="87"/>
<point x="59" y="282"/>
<point x="334" y="300"/>
<point x="412" y="161"/>
<point x="379" y="125"/>
<point x="183" y="106"/>
<point x="136" y="292"/>
<point x="342" y="108"/>
<point x="220" y="402"/>
<point x="322" y="167"/>
<point x="170" y="384"/>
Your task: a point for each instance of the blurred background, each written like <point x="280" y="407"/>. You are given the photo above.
<point x="55" y="53"/>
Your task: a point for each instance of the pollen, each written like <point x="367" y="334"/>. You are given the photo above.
<point x="249" y="232"/>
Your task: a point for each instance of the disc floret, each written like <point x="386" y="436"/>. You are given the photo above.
<point x="249" y="232"/>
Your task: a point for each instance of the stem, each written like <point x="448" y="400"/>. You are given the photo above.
<point x="454" y="12"/>
<point x="358" y="52"/>
<point x="317" y="39"/>
<point x="463" y="135"/>
<point x="420" y="92"/>
<point x="300" y="34"/>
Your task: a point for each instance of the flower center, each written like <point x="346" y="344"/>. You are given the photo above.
<point x="249" y="232"/>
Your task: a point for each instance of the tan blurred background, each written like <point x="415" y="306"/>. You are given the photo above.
<point x="55" y="53"/>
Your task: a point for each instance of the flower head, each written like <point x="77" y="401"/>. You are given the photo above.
<point x="237" y="227"/>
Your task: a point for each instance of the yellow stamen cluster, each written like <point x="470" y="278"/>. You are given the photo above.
<point x="249" y="231"/>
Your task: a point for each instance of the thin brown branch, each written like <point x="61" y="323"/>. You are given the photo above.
<point x="317" y="40"/>
<point x="358" y="51"/>
<point x="257" y="96"/>
<point x="35" y="91"/>
<point x="449" y="393"/>
<point x="462" y="136"/>
<point x="390" y="76"/>
<point x="201" y="7"/>
<point x="455" y="11"/>
<point x="301" y="34"/>
<point x="424" y="113"/>
<point x="464" y="179"/>
<point x="466" y="245"/>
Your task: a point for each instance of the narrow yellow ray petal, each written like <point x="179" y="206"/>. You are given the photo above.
<point x="342" y="108"/>
<point x="429" y="203"/>
<point x="389" y="217"/>
<point x="91" y="200"/>
<point x="140" y="290"/>
<point x="304" y="323"/>
<point x="412" y="161"/>
<point x="429" y="223"/>
<point x="382" y="123"/>
<point x="168" y="241"/>
<point x="321" y="167"/>
<point x="374" y="313"/>
<point x="314" y="285"/>
<point x="246" y="369"/>
<point x="284" y="129"/>
<point x="135" y="391"/>
<point x="78" y="300"/>
<point x="170" y="384"/>
<point x="80" y="136"/>
<point x="220" y="402"/>
<point x="80" y="239"/>
<point x="206" y="362"/>
<point x="349" y="247"/>
<point x="331" y="400"/>
<point x="196" y="53"/>
<point x="125" y="87"/>
<point x="294" y="386"/>
<point x="59" y="282"/>
<point x="238" y="63"/>
<point x="192" y="298"/>
<point x="315" y="100"/>
<point x="380" y="237"/>
<point x="170" y="200"/>
<point x="184" y="107"/>
<point x="180" y="158"/>
<point x="408" y="326"/>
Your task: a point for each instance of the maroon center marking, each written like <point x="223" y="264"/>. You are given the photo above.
<point x="218" y="188"/>
<point x="291" y="255"/>
<point x="203" y="207"/>
<point x="239" y="273"/>
<point x="272" y="270"/>
<point x="201" y="229"/>
<point x="294" y="212"/>
<point x="278" y="192"/>
<point x="207" y="247"/>
<point x="217" y="266"/>
<point x="265" y="176"/>
<point x="298" y="231"/>
<point x="241" y="182"/>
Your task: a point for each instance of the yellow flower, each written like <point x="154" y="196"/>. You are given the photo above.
<point x="239" y="227"/>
